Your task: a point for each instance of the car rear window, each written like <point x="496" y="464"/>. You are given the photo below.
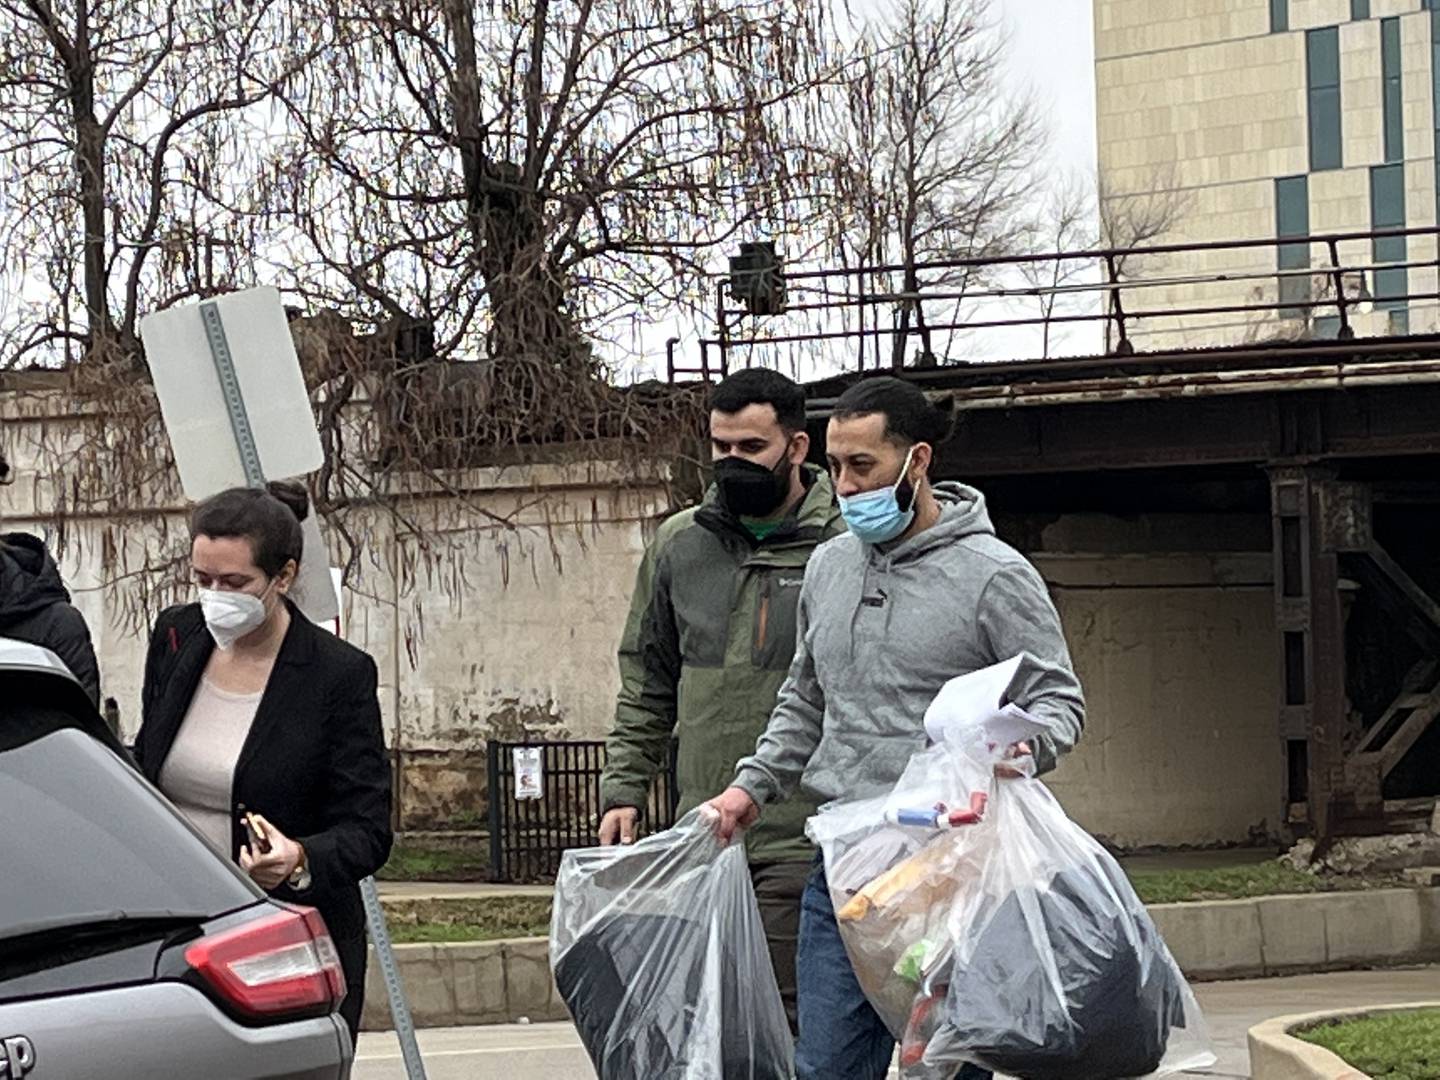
<point x="81" y="834"/>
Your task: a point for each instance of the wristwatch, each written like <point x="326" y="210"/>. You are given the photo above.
<point x="300" y="880"/>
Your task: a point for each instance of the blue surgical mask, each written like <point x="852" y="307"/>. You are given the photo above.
<point x="877" y="516"/>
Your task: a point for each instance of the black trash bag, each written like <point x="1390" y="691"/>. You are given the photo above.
<point x="660" y="956"/>
<point x="1122" y="996"/>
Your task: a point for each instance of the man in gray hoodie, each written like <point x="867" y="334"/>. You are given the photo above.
<point x="919" y="591"/>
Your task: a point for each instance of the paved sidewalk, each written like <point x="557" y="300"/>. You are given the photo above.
<point x="544" y="1051"/>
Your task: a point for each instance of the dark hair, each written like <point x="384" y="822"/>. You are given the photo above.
<point x="762" y="386"/>
<point x="268" y="517"/>
<point x="909" y="415"/>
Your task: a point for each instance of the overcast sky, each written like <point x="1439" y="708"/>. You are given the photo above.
<point x="1052" y="54"/>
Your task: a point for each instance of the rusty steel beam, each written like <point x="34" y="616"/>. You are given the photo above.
<point x="1311" y="623"/>
<point x="1164" y="387"/>
<point x="1255" y="429"/>
<point x="1391" y="737"/>
<point x="1413" y="610"/>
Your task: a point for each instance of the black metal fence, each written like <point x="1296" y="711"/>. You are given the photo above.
<point x="528" y="836"/>
<point x="1172" y="295"/>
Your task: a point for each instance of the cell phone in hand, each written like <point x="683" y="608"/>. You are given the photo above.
<point x="255" y="837"/>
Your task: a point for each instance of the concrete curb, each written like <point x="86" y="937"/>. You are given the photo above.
<point x="1276" y="1054"/>
<point x="495" y="982"/>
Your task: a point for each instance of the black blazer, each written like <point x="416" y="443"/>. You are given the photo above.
<point x="314" y="763"/>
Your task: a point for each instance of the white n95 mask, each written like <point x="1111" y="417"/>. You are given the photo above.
<point x="231" y="615"/>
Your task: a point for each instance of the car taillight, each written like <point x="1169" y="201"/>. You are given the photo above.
<point x="277" y="965"/>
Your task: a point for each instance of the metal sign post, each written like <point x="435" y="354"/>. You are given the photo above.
<point x="230" y="390"/>
<point x="238" y="416"/>
<point x="399" y="1007"/>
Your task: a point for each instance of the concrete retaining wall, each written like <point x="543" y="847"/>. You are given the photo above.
<point x="453" y="985"/>
<point x="1286" y="935"/>
<point x="508" y="981"/>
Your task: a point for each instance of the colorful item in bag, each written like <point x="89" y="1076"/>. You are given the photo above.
<point x="909" y="885"/>
<point x="924" y="1020"/>
<point x="911" y="966"/>
<point x="1044" y="963"/>
<point x="941" y="816"/>
<point x="898" y="882"/>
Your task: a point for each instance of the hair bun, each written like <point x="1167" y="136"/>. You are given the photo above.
<point x="947" y="419"/>
<point x="293" y="494"/>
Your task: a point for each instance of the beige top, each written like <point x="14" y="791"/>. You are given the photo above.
<point x="198" y="774"/>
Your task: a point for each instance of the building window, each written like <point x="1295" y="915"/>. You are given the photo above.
<point x="1279" y="15"/>
<point x="1322" y="72"/>
<point x="1390" y="73"/>
<point x="1292" y="218"/>
<point x="1359" y="9"/>
<point x="1387" y="211"/>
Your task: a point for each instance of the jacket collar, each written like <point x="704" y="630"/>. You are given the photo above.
<point x="193" y="654"/>
<point x="299" y="644"/>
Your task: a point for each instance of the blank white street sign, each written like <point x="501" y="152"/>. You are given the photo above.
<point x="193" y="403"/>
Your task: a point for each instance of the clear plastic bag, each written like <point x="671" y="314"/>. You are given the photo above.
<point x="1009" y="937"/>
<point x="660" y="955"/>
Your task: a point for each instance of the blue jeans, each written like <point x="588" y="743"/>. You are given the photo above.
<point x="841" y="1035"/>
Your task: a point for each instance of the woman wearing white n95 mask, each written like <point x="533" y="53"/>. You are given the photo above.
<point x="263" y="729"/>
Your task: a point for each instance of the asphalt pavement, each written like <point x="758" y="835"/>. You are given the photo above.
<point x="552" y="1051"/>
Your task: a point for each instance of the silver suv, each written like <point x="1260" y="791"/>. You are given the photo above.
<point x="128" y="948"/>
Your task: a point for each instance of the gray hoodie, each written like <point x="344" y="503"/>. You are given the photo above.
<point x="881" y="629"/>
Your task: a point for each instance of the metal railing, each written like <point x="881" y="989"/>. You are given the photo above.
<point x="528" y="836"/>
<point x="1115" y="290"/>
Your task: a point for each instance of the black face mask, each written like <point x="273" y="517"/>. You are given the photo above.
<point x="749" y="489"/>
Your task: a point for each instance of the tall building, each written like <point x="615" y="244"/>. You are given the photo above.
<point x="1258" y="120"/>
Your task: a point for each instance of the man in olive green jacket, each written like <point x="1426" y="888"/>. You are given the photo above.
<point x="711" y="634"/>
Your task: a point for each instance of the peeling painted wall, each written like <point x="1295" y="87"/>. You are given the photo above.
<point x="534" y="658"/>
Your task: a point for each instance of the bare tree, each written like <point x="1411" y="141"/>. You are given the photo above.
<point x="127" y="131"/>
<point x="1067" y="226"/>
<point x="124" y="132"/>
<point x="1133" y="217"/>
<point x="518" y="174"/>
<point x="158" y="152"/>
<point x="935" y="160"/>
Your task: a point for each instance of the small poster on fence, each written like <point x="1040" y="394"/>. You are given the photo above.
<point x="529" y="774"/>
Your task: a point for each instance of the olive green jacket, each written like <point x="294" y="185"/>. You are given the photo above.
<point x="708" y="643"/>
